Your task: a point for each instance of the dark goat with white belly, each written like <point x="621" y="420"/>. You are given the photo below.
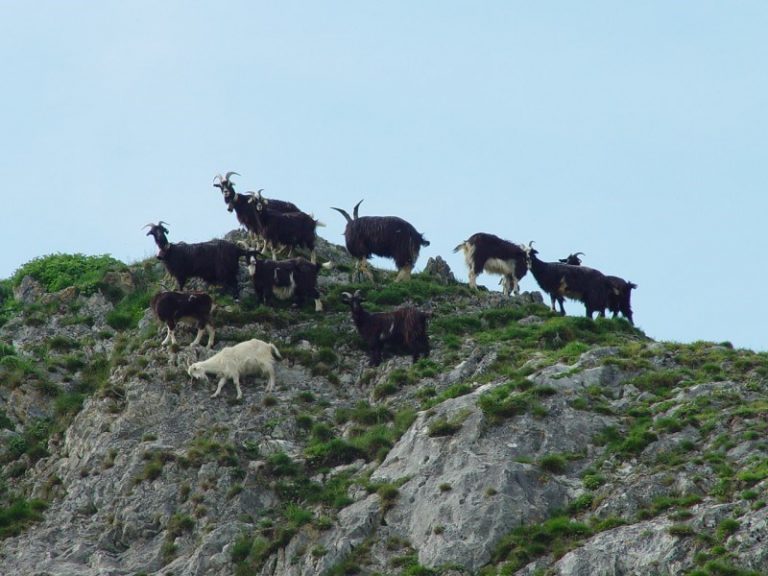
<point x="488" y="253"/>
<point x="620" y="294"/>
<point x="403" y="330"/>
<point x="215" y="262"/>
<point x="172" y="307"/>
<point x="387" y="236"/>
<point x="290" y="229"/>
<point x="580" y="283"/>
<point x="295" y="279"/>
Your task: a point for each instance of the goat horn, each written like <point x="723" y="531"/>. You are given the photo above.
<point x="219" y="176"/>
<point x="226" y="177"/>
<point x="530" y="244"/>
<point x="343" y="213"/>
<point x="354" y="212"/>
<point x="577" y="253"/>
<point x="358" y="294"/>
<point x="150" y="225"/>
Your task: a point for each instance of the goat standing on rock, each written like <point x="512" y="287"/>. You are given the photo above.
<point x="620" y="294"/>
<point x="403" y="330"/>
<point x="243" y="359"/>
<point x="387" y="236"/>
<point x="215" y="262"/>
<point x="295" y="278"/>
<point x="171" y="307"/>
<point x="577" y="282"/>
<point x="488" y="253"/>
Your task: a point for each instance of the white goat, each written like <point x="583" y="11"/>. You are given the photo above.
<point x="243" y="359"/>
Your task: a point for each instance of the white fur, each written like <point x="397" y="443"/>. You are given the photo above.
<point x="243" y="359"/>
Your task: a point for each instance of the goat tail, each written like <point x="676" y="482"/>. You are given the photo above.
<point x="424" y="241"/>
<point x="275" y="352"/>
<point x="461" y="246"/>
<point x="631" y="285"/>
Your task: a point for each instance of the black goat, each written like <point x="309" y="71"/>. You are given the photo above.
<point x="291" y="229"/>
<point x="295" y="278"/>
<point x="489" y="253"/>
<point x="387" y="236"/>
<point x="576" y="282"/>
<point x="172" y="307"/>
<point x="242" y="206"/>
<point x="403" y="330"/>
<point x="215" y="262"/>
<point x="620" y="294"/>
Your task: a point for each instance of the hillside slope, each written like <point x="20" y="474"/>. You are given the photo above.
<point x="526" y="444"/>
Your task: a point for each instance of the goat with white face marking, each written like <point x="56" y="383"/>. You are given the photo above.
<point x="488" y="253"/>
<point x="215" y="262"/>
<point x="289" y="229"/>
<point x="234" y="362"/>
<point x="386" y="236"/>
<point x="285" y="279"/>
<point x="403" y="330"/>
<point x="620" y="294"/>
<point x="172" y="307"/>
<point x="576" y="282"/>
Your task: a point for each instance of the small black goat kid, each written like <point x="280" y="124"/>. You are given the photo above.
<point x="387" y="236"/>
<point x="488" y="253"/>
<point x="215" y="262"/>
<point x="295" y="278"/>
<point x="620" y="294"/>
<point x="172" y="307"/>
<point x="577" y="282"/>
<point x="403" y="330"/>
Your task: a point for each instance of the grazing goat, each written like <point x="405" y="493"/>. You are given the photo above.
<point x="488" y="253"/>
<point x="295" y="278"/>
<point x="242" y="206"/>
<point x="216" y="262"/>
<point x="171" y="307"/>
<point x="403" y="330"/>
<point x="620" y="294"/>
<point x="291" y="229"/>
<point x="243" y="359"/>
<point x="577" y="282"/>
<point x="387" y="236"/>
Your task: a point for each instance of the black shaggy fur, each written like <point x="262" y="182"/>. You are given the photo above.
<point x="290" y="229"/>
<point x="402" y="331"/>
<point x="297" y="279"/>
<point x="242" y="206"/>
<point x="171" y="307"/>
<point x="576" y="282"/>
<point x="620" y="294"/>
<point x="215" y="262"/>
<point x="386" y="236"/>
<point x="489" y="253"/>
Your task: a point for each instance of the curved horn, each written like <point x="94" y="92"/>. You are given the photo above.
<point x="228" y="174"/>
<point x="150" y="225"/>
<point x="530" y="244"/>
<point x="343" y="213"/>
<point x="358" y="294"/>
<point x="219" y="176"/>
<point x="577" y="254"/>
<point x="354" y="212"/>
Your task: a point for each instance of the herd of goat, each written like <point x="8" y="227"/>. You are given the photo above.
<point x="275" y="226"/>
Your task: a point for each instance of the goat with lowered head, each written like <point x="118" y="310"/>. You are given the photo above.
<point x="403" y="330"/>
<point x="172" y="307"/>
<point x="234" y="362"/>
<point x="290" y="229"/>
<point x="619" y="295"/>
<point x="488" y="253"/>
<point x="386" y="236"/>
<point x="285" y="279"/>
<point x="576" y="282"/>
<point x="215" y="262"/>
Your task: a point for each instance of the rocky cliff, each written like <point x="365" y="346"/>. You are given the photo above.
<point x="526" y="444"/>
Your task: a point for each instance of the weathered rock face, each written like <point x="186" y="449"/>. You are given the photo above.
<point x="661" y="473"/>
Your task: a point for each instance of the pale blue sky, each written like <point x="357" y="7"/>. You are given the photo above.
<point x="637" y="134"/>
